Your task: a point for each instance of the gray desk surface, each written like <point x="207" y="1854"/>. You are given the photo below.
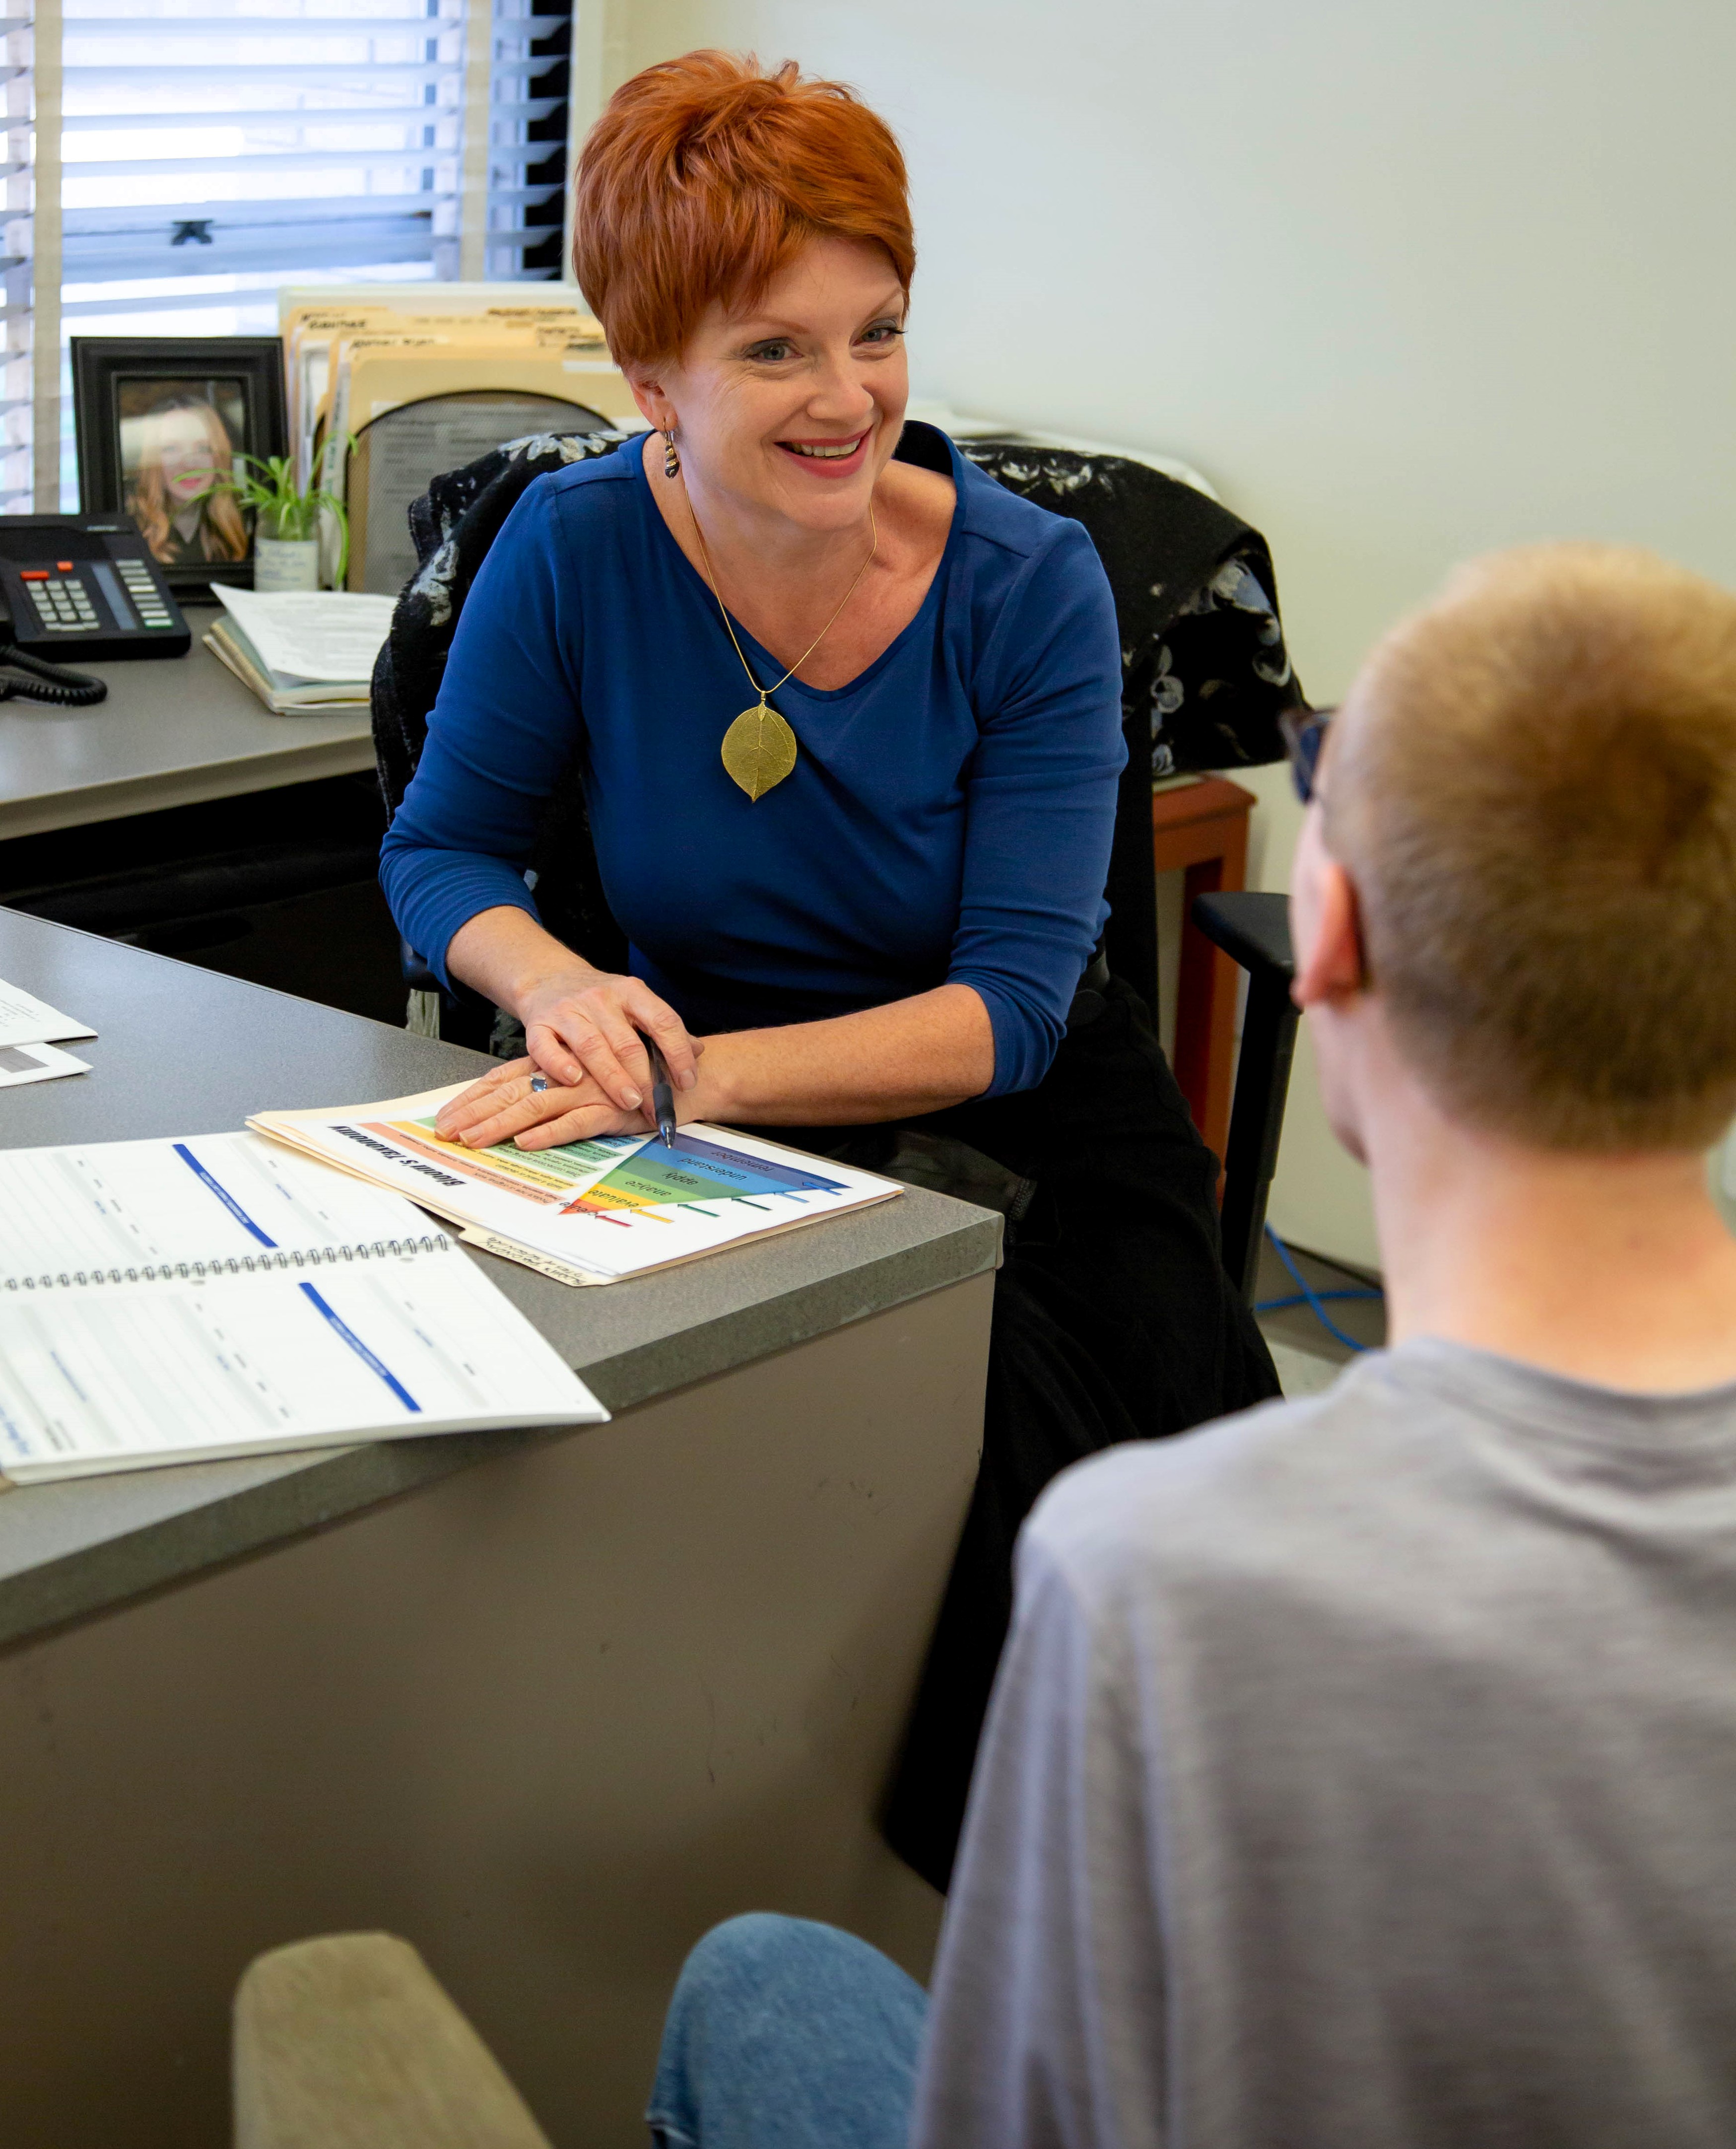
<point x="173" y="731"/>
<point x="182" y="1050"/>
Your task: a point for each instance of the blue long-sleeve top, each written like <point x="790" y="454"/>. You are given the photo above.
<point x="950" y="814"/>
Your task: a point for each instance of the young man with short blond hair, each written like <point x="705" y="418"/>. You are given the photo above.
<point x="1361" y="1773"/>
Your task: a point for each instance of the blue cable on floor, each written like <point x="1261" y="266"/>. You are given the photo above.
<point x="1306" y="1294"/>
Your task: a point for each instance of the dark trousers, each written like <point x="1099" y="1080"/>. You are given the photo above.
<point x="1113" y="1321"/>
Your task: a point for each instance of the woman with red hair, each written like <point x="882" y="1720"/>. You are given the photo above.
<point x="846" y="716"/>
<point x="177" y="495"/>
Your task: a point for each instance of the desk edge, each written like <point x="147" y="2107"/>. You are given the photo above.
<point x="276" y="768"/>
<point x="335" y="1484"/>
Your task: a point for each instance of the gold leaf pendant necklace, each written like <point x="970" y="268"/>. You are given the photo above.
<point x="760" y="749"/>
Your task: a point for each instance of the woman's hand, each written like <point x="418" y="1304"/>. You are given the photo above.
<point x="581" y="1032"/>
<point x="504" y="1107"/>
<point x="583" y="1023"/>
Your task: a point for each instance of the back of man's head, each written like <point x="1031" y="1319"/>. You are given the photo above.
<point x="1533" y="785"/>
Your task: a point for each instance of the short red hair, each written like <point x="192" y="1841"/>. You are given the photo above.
<point x="704" y="176"/>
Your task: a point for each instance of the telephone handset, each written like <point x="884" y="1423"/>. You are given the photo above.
<point x="78" y="585"/>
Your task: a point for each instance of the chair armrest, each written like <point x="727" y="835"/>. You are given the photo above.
<point x="1252" y="928"/>
<point x="465" y="1017"/>
<point x="347" y="2042"/>
<point x="416" y="975"/>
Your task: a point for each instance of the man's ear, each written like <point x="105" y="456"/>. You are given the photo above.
<point x="1330" y="967"/>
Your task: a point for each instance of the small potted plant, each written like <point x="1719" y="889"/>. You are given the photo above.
<point x="288" y="519"/>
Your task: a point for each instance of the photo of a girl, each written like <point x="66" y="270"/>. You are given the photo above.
<point x="176" y="456"/>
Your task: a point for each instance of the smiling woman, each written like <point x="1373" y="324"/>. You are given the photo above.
<point x="175" y="457"/>
<point x="845" y="716"/>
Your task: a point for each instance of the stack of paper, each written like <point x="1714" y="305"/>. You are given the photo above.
<point x="27" y="1027"/>
<point x="302" y="651"/>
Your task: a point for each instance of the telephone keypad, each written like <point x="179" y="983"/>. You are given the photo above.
<point x="143" y="590"/>
<point x="62" y="606"/>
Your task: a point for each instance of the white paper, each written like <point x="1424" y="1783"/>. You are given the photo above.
<point x="105" y="1206"/>
<point x="312" y="634"/>
<point x="598" y="1210"/>
<point x="36" y="1063"/>
<point x="134" y="1376"/>
<point x="24" y="1019"/>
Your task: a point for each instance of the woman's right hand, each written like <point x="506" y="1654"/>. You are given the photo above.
<point x="581" y="1021"/>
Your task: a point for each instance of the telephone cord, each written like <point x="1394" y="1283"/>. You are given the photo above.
<point x="47" y="682"/>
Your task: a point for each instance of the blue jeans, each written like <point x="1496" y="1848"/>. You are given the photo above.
<point x="787" y="2035"/>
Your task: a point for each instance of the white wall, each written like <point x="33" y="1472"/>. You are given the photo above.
<point x="1405" y="281"/>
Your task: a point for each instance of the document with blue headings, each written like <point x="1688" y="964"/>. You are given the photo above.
<point x="215" y="1295"/>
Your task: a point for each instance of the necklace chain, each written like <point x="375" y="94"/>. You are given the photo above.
<point x="711" y="578"/>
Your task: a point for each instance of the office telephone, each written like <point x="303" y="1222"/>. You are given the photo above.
<point x="79" y="586"/>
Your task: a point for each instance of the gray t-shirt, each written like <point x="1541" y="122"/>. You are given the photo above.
<point x="1362" y="1774"/>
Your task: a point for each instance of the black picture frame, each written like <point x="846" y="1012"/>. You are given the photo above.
<point x="143" y="404"/>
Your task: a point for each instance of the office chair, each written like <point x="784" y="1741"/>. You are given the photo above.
<point x="348" y="2042"/>
<point x="1205" y="672"/>
<point x="1253" y="929"/>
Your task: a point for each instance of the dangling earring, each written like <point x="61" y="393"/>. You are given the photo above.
<point x="671" y="461"/>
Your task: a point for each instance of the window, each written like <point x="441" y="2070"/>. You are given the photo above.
<point x="16" y="247"/>
<point x="530" y="87"/>
<point x="210" y="150"/>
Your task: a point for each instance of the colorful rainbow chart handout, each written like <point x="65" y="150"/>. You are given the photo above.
<point x="701" y="1175"/>
<point x="587" y="1212"/>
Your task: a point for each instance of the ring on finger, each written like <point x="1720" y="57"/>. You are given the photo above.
<point x="539" y="1083"/>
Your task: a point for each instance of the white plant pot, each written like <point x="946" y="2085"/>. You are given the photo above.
<point x="286" y="563"/>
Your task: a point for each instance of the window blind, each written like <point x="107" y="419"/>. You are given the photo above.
<point x="192" y="155"/>
<point x="210" y="150"/>
<point x="16" y="399"/>
<point x="529" y="127"/>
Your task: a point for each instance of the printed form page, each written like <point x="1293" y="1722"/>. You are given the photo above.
<point x="110" y="1206"/>
<point x="110" y="1376"/>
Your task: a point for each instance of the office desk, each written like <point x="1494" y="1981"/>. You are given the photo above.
<point x="548" y="1705"/>
<point x="173" y="731"/>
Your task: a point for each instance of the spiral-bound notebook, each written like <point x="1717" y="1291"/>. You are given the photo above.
<point x="175" y="1301"/>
